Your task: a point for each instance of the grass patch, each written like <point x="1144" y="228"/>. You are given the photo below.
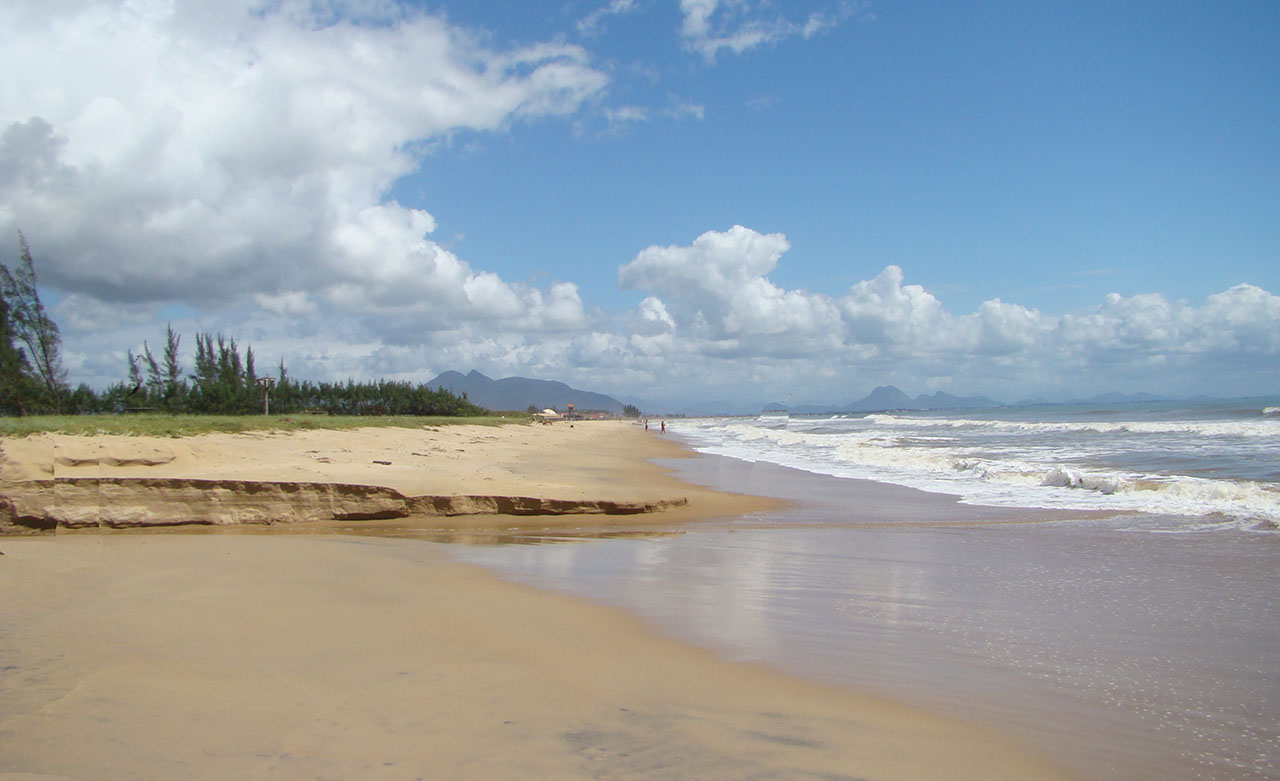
<point x="165" y="425"/>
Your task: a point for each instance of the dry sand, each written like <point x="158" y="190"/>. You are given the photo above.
<point x="582" y="460"/>
<point x="589" y="462"/>
<point x="325" y="656"/>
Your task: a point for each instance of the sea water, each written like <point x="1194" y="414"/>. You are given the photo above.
<point x="1128" y="627"/>
<point x="1212" y="465"/>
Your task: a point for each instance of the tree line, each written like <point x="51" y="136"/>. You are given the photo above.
<point x="223" y="380"/>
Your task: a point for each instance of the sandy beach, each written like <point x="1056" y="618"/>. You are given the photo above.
<point x="463" y="475"/>
<point x="165" y="655"/>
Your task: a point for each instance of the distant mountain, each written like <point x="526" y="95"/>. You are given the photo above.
<point x="941" y="400"/>
<point x="709" y="409"/>
<point x="517" y="393"/>
<point x="1038" y="401"/>
<point x="814" y="409"/>
<point x="882" y="398"/>
<point x="888" y="397"/>
<point x="1101" y="398"/>
<point x="1123" y="398"/>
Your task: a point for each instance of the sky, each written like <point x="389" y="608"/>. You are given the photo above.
<point x="664" y="200"/>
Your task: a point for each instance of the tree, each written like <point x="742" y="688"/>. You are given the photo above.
<point x="135" y="375"/>
<point x="223" y="382"/>
<point x="155" y="382"/>
<point x="32" y="325"/>
<point x="83" y="401"/>
<point x="630" y="411"/>
<point x="16" y="385"/>
<point x="173" y="385"/>
<point x="220" y="378"/>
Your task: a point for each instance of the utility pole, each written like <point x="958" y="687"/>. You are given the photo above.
<point x="266" y="383"/>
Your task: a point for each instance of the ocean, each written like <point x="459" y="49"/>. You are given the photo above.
<point x="1198" y="466"/>
<point x="1097" y="580"/>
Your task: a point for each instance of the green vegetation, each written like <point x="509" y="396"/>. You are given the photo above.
<point x="31" y="375"/>
<point x="224" y="381"/>
<point x="166" y="425"/>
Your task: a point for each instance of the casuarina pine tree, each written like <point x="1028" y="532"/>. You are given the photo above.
<point x="32" y="327"/>
<point x="16" y="385"/>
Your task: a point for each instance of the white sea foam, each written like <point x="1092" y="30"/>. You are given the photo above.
<point x="1048" y="464"/>
<point x="1211" y="428"/>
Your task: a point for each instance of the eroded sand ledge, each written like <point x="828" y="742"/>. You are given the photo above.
<point x="55" y="482"/>
<point x="131" y="502"/>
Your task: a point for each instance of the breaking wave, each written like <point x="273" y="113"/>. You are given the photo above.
<point x="1210" y="428"/>
<point x="1222" y="472"/>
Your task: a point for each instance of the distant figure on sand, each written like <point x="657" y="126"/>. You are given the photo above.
<point x="664" y="427"/>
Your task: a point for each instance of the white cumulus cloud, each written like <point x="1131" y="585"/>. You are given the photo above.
<point x="593" y="24"/>
<point x="228" y="166"/>
<point x="717" y="289"/>
<point x="713" y="310"/>
<point x="213" y="152"/>
<point x="710" y="26"/>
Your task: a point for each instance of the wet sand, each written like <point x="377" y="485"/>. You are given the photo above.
<point x="232" y="655"/>
<point x="164" y="655"/>
<point x="1119" y="649"/>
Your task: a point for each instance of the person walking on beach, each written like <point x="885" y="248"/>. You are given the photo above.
<point x="664" y="427"/>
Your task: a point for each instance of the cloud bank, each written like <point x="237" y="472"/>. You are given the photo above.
<point x="714" y="299"/>
<point x="205" y="152"/>
<point x="226" y="166"/>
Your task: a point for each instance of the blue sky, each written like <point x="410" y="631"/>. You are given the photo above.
<point x="661" y="198"/>
<point x="1036" y="153"/>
